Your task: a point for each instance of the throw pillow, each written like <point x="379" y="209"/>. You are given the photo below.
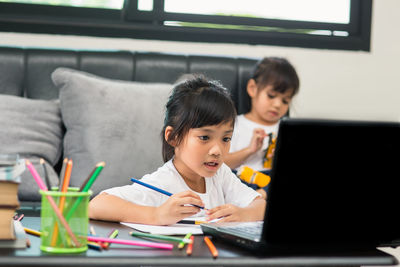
<point x="33" y="129"/>
<point x="118" y="122"/>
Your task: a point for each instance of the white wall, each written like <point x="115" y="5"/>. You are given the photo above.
<point x="334" y="84"/>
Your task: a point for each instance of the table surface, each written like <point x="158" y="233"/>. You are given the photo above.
<point x="122" y="255"/>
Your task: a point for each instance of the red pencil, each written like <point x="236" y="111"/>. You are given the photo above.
<point x="189" y="248"/>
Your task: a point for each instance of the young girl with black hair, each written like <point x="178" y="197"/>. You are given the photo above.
<point x="273" y="85"/>
<point x="197" y="131"/>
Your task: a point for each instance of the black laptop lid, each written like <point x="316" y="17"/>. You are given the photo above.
<point x="334" y="183"/>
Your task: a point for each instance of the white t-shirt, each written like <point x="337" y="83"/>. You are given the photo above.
<point x="222" y="188"/>
<point x="241" y="138"/>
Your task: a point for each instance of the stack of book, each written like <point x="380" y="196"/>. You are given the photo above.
<point x="11" y="167"/>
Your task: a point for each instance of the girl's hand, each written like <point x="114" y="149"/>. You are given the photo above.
<point x="177" y="207"/>
<point x="231" y="213"/>
<point x="228" y="213"/>
<point x="257" y="140"/>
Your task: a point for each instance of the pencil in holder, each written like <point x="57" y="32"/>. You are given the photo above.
<point x="75" y="211"/>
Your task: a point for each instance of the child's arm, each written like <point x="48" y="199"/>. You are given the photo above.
<point x="231" y="213"/>
<point x="235" y="159"/>
<point x="112" y="208"/>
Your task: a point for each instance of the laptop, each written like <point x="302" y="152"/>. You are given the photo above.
<point x="334" y="184"/>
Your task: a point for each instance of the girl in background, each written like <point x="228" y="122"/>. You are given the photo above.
<point x="272" y="87"/>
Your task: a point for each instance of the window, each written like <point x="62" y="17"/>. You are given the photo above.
<point x="334" y="11"/>
<point x="110" y="4"/>
<point x="327" y="24"/>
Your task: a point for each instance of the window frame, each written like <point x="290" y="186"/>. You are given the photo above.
<point x="132" y="23"/>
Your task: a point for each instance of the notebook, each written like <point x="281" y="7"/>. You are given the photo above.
<point x="334" y="184"/>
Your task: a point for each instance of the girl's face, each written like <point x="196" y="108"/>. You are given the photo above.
<point x="202" y="151"/>
<point x="268" y="106"/>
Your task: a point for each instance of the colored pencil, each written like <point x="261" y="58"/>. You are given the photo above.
<point x="28" y="242"/>
<point x="46" y="176"/>
<point x="35" y="175"/>
<point x="182" y="244"/>
<point x="161" y="237"/>
<point x="94" y="245"/>
<point x="99" y="167"/>
<point x="191" y="222"/>
<point x="211" y="246"/>
<point x="157" y="189"/>
<point x="67" y="176"/>
<point x="62" y="173"/>
<point x="92" y="231"/>
<point x="87" y="179"/>
<point x="131" y="242"/>
<point x="151" y="187"/>
<point x="42" y="186"/>
<point x="114" y="240"/>
<point x="32" y="232"/>
<point x="112" y="234"/>
<point x="20" y="217"/>
<point x="189" y="248"/>
<point x="64" y="189"/>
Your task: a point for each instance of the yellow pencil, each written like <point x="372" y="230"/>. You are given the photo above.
<point x="191" y="222"/>
<point x="32" y="232"/>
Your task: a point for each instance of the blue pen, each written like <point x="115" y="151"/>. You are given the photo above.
<point x="156" y="189"/>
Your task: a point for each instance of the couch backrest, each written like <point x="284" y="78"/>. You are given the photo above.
<point x="27" y="71"/>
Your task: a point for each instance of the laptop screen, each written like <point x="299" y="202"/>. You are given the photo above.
<point x="334" y="182"/>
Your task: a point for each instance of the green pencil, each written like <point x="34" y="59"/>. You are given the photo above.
<point x="161" y="237"/>
<point x="99" y="167"/>
<point x="113" y="234"/>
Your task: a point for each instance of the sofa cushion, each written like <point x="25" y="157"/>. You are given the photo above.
<point x="118" y="122"/>
<point x="33" y="129"/>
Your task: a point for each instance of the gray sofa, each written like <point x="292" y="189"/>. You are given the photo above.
<point x="94" y="106"/>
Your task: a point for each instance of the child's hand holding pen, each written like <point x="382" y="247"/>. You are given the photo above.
<point x="177" y="207"/>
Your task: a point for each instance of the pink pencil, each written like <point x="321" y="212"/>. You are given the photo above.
<point x="42" y="186"/>
<point x="130" y="242"/>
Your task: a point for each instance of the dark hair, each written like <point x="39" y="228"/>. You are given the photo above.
<point x="277" y="72"/>
<point x="195" y="103"/>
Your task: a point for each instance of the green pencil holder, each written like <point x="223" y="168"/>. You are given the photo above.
<point x="73" y="205"/>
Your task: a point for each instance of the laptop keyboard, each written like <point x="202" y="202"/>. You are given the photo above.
<point x="251" y="230"/>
